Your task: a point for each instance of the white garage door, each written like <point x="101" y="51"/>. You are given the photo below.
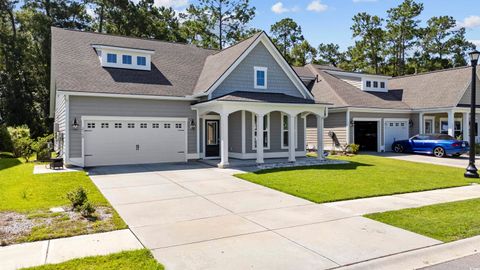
<point x="395" y="131"/>
<point x="112" y="142"/>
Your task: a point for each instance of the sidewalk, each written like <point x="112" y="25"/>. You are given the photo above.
<point x="64" y="249"/>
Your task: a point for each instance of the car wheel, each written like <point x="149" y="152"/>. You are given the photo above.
<point x="439" y="152"/>
<point x="398" y="148"/>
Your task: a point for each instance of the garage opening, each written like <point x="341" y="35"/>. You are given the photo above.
<point x="366" y="135"/>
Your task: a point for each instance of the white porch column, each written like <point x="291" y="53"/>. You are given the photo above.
<point x="451" y="124"/>
<point x="319" y="137"/>
<point x="260" y="138"/>
<point x="291" y="138"/>
<point x="223" y="140"/>
<point x="466" y="126"/>
<point x="421" y="122"/>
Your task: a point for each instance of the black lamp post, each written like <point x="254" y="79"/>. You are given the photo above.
<point x="471" y="169"/>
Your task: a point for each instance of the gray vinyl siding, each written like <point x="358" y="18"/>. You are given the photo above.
<point x="60" y="115"/>
<point x="465" y="100"/>
<point x="412" y="117"/>
<point x="126" y="107"/>
<point x="242" y="77"/>
<point x="335" y="122"/>
<point x="275" y="133"/>
<point x="235" y="132"/>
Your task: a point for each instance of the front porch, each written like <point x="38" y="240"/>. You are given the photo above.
<point x="454" y="122"/>
<point x="271" y="163"/>
<point x="229" y="128"/>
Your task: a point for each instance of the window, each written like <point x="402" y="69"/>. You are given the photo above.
<point x="266" y="131"/>
<point x="143" y="125"/>
<point x="155" y="125"/>
<point x="104" y="125"/>
<point x="368" y="84"/>
<point x="111" y="58"/>
<point x="285" y="131"/>
<point x="90" y="125"/>
<point x="126" y="59"/>
<point x="382" y="84"/>
<point x="166" y="125"/>
<point x="118" y="125"/>
<point x="141" y="60"/>
<point x="260" y="77"/>
<point x="178" y="125"/>
<point x="457" y="126"/>
<point x="375" y="84"/>
<point x="131" y="125"/>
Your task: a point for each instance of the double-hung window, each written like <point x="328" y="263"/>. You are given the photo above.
<point x="111" y="58"/>
<point x="126" y="59"/>
<point x="260" y="77"/>
<point x="141" y="61"/>
<point x="266" y="131"/>
<point x="284" y="135"/>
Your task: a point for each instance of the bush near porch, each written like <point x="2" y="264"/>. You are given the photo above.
<point x="365" y="176"/>
<point x="26" y="199"/>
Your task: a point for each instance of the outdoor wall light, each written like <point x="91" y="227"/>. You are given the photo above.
<point x="75" y="123"/>
<point x="351" y="123"/>
<point x="192" y="124"/>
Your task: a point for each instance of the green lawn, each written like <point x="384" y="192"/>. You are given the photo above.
<point x="364" y="176"/>
<point x="28" y="197"/>
<point x="128" y="260"/>
<point x="445" y="222"/>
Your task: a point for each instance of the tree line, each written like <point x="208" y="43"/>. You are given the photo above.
<point x="394" y="45"/>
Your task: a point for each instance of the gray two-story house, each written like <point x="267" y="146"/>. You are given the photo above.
<point x="120" y="100"/>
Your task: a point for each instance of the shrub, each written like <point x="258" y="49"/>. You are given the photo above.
<point x="77" y="198"/>
<point x="18" y="136"/>
<point x="23" y="148"/>
<point x="354" y="148"/>
<point x="5" y="140"/>
<point x="41" y="147"/>
<point x="79" y="201"/>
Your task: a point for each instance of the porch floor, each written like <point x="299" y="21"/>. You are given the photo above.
<point x="272" y="162"/>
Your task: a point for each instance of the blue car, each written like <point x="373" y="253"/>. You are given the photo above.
<point x="440" y="145"/>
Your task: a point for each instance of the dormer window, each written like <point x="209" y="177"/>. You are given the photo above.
<point x="111" y="58"/>
<point x="126" y="59"/>
<point x="369" y="84"/>
<point x="382" y="84"/>
<point x="141" y="60"/>
<point x="375" y="84"/>
<point x="129" y="58"/>
<point x="260" y="77"/>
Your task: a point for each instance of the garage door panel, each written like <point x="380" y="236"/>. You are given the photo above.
<point x="395" y="131"/>
<point x="134" y="142"/>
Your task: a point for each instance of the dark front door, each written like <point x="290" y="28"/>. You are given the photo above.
<point x="212" y="138"/>
<point x="365" y="135"/>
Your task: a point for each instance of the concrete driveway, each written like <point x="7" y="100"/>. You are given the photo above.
<point x="197" y="217"/>
<point x="459" y="162"/>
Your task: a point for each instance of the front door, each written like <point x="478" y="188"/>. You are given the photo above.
<point x="428" y="126"/>
<point x="212" y="138"/>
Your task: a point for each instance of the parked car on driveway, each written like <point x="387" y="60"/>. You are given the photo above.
<point x="440" y="145"/>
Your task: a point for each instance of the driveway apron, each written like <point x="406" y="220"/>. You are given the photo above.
<point x="198" y="217"/>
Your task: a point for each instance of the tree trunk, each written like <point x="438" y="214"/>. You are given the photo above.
<point x="220" y="18"/>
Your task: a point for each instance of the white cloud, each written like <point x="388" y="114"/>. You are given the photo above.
<point x="476" y="42"/>
<point x="360" y="1"/>
<point x="316" y="6"/>
<point x="470" y="22"/>
<point x="168" y="3"/>
<point x="278" y="8"/>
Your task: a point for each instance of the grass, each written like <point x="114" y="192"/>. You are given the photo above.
<point x="364" y="176"/>
<point x="26" y="194"/>
<point x="127" y="260"/>
<point x="445" y="222"/>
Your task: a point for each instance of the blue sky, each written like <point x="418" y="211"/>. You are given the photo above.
<point x="330" y="20"/>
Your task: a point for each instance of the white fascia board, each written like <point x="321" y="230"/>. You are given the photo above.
<point x="86" y="94"/>
<point x="376" y="110"/>
<point x="357" y="75"/>
<point x="276" y="55"/>
<point x="106" y="47"/>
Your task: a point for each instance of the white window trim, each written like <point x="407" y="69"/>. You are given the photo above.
<point x="255" y="85"/>
<point x="254" y="126"/>
<point x="295" y="128"/>
<point x="445" y="119"/>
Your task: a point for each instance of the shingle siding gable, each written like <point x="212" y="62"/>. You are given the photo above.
<point x="242" y="77"/>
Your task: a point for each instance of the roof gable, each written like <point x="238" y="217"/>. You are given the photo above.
<point x="219" y="66"/>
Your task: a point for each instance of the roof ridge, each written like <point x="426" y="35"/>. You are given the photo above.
<point x="429" y="72"/>
<point x="252" y="36"/>
<point x="139" y="38"/>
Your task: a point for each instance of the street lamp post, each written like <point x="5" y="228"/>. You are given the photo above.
<point x="471" y="169"/>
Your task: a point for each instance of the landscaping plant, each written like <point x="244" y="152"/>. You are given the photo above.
<point x="42" y="148"/>
<point x="79" y="201"/>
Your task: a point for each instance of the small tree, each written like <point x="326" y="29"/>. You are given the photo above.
<point x="41" y="147"/>
<point x="24" y="148"/>
<point x="20" y="137"/>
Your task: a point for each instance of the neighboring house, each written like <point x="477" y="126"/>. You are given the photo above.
<point x="374" y="111"/>
<point x="120" y="100"/>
